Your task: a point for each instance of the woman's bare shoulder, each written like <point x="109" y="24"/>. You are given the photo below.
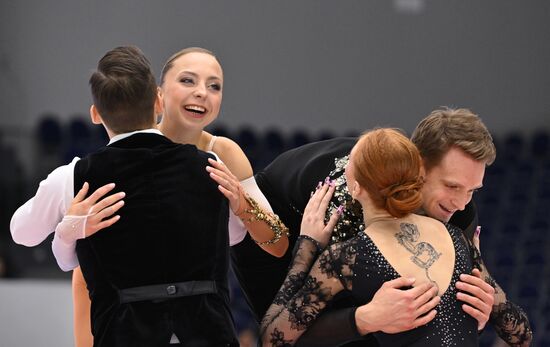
<point x="430" y="222"/>
<point x="233" y="156"/>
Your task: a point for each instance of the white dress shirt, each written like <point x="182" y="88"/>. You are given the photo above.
<point x="35" y="220"/>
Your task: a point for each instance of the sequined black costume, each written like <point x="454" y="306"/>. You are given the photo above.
<point x="362" y="269"/>
<point x="287" y="183"/>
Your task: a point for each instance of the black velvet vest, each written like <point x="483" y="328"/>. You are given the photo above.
<point x="172" y="230"/>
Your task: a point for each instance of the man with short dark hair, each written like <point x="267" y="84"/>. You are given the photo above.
<point x="160" y="272"/>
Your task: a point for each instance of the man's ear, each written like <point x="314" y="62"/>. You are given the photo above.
<point x="159" y="109"/>
<point x="422" y="173"/>
<point x="95" y="116"/>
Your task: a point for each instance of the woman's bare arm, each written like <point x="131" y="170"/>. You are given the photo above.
<point x="81" y="311"/>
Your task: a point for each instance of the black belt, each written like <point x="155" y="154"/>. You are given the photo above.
<point x="166" y="291"/>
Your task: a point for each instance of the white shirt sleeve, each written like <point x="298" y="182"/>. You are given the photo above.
<point x="37" y="218"/>
<point x="67" y="232"/>
<point x="251" y="188"/>
<point x="237" y="230"/>
<point x="65" y="253"/>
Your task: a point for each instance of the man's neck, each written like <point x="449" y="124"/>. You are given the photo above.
<point x="175" y="133"/>
<point x="119" y="137"/>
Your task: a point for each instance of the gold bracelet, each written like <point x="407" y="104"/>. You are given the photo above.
<point x="258" y="214"/>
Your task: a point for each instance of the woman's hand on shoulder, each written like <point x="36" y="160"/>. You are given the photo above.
<point x="313" y="220"/>
<point x="98" y="209"/>
<point x="228" y="184"/>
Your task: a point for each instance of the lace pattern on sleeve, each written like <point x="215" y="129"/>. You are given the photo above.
<point x="304" y="294"/>
<point x="508" y="319"/>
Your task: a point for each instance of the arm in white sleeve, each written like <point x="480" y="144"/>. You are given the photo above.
<point x="237" y="229"/>
<point x="65" y="254"/>
<point x="36" y="219"/>
<point x="71" y="229"/>
<point x="251" y="188"/>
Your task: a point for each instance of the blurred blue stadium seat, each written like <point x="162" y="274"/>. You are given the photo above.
<point x="513" y="146"/>
<point x="273" y="144"/>
<point x="220" y="130"/>
<point x="49" y="132"/>
<point x="299" y="138"/>
<point x="326" y="135"/>
<point x="274" y="141"/>
<point x="247" y="138"/>
<point x="48" y="142"/>
<point x="540" y="144"/>
<point x="79" y="138"/>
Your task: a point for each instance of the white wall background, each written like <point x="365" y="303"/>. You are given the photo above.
<point x="314" y="64"/>
<point x="35" y="313"/>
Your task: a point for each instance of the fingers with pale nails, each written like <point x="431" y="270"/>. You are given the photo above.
<point x="228" y="184"/>
<point x="99" y="213"/>
<point x="313" y="220"/>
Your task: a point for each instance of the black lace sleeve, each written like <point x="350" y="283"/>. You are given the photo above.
<point x="508" y="319"/>
<point x="334" y="327"/>
<point x="304" y="293"/>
